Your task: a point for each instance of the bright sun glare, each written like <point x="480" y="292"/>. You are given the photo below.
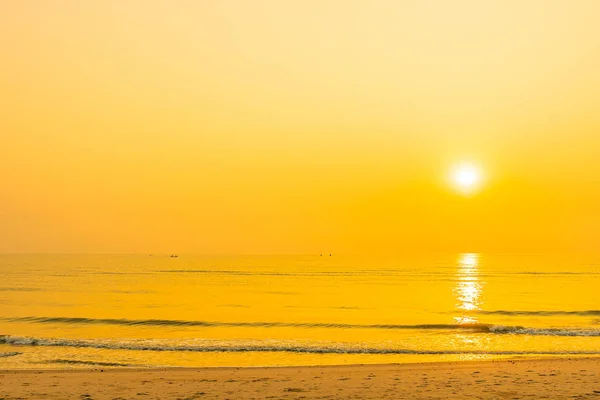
<point x="466" y="177"/>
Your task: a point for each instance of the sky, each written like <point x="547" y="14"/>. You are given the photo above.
<point x="300" y="127"/>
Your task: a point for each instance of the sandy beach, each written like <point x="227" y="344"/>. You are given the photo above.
<point x="521" y="379"/>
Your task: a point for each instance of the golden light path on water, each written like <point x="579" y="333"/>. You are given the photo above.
<point x="468" y="293"/>
<point x="468" y="288"/>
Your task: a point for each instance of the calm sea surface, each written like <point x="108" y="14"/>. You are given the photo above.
<point x="80" y="311"/>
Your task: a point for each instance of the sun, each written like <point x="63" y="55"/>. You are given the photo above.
<point x="466" y="177"/>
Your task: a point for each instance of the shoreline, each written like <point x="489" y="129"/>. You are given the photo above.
<point x="308" y="366"/>
<point x="551" y="378"/>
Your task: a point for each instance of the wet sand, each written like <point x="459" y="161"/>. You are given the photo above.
<point x="521" y="379"/>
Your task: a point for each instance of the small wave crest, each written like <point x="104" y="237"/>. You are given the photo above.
<point x="19" y="289"/>
<point x="9" y="354"/>
<point x="85" y="362"/>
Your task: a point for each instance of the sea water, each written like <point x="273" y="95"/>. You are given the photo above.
<point x="87" y="311"/>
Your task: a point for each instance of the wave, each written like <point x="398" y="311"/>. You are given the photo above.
<point x="358" y="272"/>
<point x="554" y="273"/>
<point x="85" y="362"/>
<point x="541" y="312"/>
<point x="207" y="346"/>
<point x="475" y="328"/>
<point x="19" y="289"/>
<point x="258" y="324"/>
<point x="9" y="354"/>
<point x="519" y="330"/>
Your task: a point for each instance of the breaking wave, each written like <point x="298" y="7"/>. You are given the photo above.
<point x="519" y="330"/>
<point x="209" y="346"/>
<point x="474" y="328"/>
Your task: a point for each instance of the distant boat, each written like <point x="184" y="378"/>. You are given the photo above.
<point x="173" y="256"/>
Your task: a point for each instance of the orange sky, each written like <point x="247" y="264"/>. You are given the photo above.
<point x="298" y="126"/>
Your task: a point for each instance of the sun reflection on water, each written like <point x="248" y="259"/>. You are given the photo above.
<point x="468" y="288"/>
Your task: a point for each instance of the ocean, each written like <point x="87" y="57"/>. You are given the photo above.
<point x="93" y="311"/>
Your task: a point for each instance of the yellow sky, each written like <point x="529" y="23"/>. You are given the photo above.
<point x="298" y="126"/>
